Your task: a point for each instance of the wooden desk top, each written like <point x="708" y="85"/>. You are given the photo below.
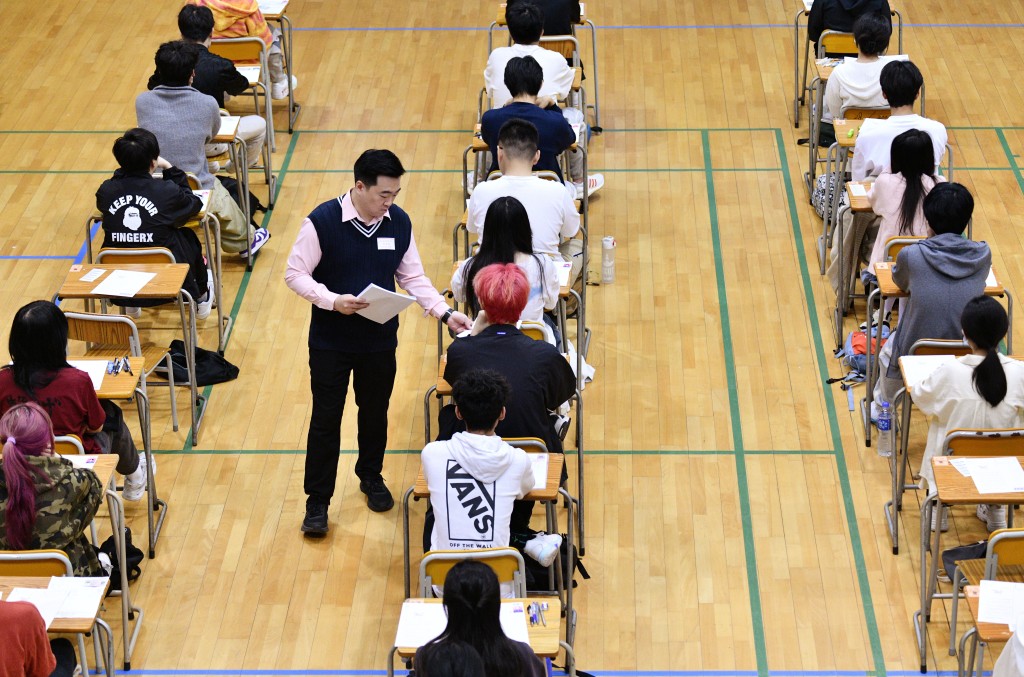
<point x="166" y="285"/>
<point x="846" y="132"/>
<point x="548" y="493"/>
<point x="823" y="71"/>
<point x="858" y="203"/>
<point x="120" y="386"/>
<point x="60" y="625"/>
<point x="883" y="271"/>
<point x="955" y="489"/>
<point x="543" y="638"/>
<point x="103" y="466"/>
<point x="987" y="632"/>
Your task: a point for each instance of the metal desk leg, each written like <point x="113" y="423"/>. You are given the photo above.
<point x="597" y="99"/>
<point x="197" y="402"/>
<point x="570" y="612"/>
<point x="154" y="503"/>
<point x="869" y="377"/>
<point x="288" y="45"/>
<point x="579" y="470"/>
<point x="405" y="531"/>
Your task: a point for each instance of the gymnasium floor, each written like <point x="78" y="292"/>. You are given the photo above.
<point x="734" y="515"/>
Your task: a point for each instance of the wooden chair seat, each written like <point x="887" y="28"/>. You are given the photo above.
<point x="974" y="571"/>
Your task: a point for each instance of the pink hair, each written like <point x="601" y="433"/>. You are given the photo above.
<point x="26" y="431"/>
<point x="503" y="290"/>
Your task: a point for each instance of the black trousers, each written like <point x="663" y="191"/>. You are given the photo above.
<point x="373" y="379"/>
<point x="64" y="652"/>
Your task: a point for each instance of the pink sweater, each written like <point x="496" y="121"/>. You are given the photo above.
<point x="885" y="196"/>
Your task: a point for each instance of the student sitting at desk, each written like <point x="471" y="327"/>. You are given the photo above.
<point x="25" y="650"/>
<point x="840" y="15"/>
<point x="45" y="502"/>
<point x="980" y="390"/>
<point x="559" y="15"/>
<point x="473" y="605"/>
<point x="217" y="77"/>
<point x="40" y="373"/>
<point x="941" y="274"/>
<point x="901" y="84"/>
<point x="140" y="211"/>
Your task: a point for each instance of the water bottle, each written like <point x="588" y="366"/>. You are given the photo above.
<point x="607" y="260"/>
<point x="885" y="431"/>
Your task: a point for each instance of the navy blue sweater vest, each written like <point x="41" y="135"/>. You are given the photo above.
<point x="349" y="262"/>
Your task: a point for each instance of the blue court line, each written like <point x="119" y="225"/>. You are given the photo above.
<point x="34" y="257"/>
<point x="625" y="27"/>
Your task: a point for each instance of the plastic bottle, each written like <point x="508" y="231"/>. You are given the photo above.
<point x="607" y="260"/>
<point x="885" y="431"/>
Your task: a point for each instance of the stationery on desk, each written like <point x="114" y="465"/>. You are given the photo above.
<point x="94" y="368"/>
<point x="122" y="283"/>
<point x="384" y="304"/>
<point x="65" y="597"/>
<point x="422" y="621"/>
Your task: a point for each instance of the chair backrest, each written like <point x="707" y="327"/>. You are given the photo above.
<point x="894" y="245"/>
<point x="141" y="255"/>
<point x="566" y="45"/>
<point x="530" y="444"/>
<point x="1005" y="548"/>
<point x="35" y="563"/>
<point x="240" y="50"/>
<point x="836" y="42"/>
<point x="940" y="347"/>
<point x="984" y="442"/>
<point x="107" y="330"/>
<point x="538" y="331"/>
<point x="193" y="181"/>
<point x="68" y="445"/>
<point x="507" y="563"/>
<point x="546" y="174"/>
<point x="865" y="113"/>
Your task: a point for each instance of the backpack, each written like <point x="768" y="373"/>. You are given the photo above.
<point x="133" y="557"/>
<point x="211" y="367"/>
<point x="854" y="350"/>
<point x="823" y="194"/>
<point x="537" y="574"/>
<point x="254" y="202"/>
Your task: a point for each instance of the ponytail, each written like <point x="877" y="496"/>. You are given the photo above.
<point x="985" y="323"/>
<point x="911" y="155"/>
<point x="989" y="378"/>
<point x="26" y="431"/>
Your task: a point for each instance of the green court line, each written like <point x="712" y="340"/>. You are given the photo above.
<point x="833" y="420"/>
<point x="589" y="452"/>
<point x="244" y="286"/>
<point x="1010" y="157"/>
<point x="753" y="586"/>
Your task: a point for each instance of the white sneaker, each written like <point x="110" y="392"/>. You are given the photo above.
<point x="944" y="525"/>
<point x="595" y="182"/>
<point x="554" y="539"/>
<point x="280" y="90"/>
<point x="213" y="166"/>
<point x="470" y="182"/>
<point x="209" y="287"/>
<point x="133" y="312"/>
<point x="203" y="307"/>
<point x="542" y="550"/>
<point x="259" y="239"/>
<point x="994" y="516"/>
<point x="135" y="483"/>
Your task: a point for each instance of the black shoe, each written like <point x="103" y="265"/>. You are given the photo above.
<point x="378" y="498"/>
<point x="315" y="523"/>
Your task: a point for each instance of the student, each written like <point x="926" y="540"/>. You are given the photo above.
<point x="840" y="15"/>
<point x="141" y="211"/>
<point x="552" y="213"/>
<point x="184" y="120"/>
<point x="25" y="649"/>
<point x="243" y="18"/>
<point x="40" y="373"/>
<point x="217" y="77"/>
<point x="559" y="15"/>
<point x="507" y="239"/>
<point x="475" y="477"/>
<point x="941" y="274"/>
<point x="452" y="658"/>
<point x="901" y="84"/>
<point x="855" y="82"/>
<point x="473" y="604"/>
<point x="45" y="502"/>
<point x="980" y="390"/>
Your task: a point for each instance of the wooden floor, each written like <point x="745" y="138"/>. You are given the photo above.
<point x="735" y="517"/>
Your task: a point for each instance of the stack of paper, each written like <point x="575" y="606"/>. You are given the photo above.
<point x="1002" y="475"/>
<point x="94" y="368"/>
<point x="540" y="470"/>
<point x="65" y="597"/>
<point x="384" y="304"/>
<point x="422" y="621"/>
<point x="1001" y="602"/>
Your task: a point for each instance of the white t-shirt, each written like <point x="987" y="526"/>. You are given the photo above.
<point x="540" y="271"/>
<point x="558" y="76"/>
<point x="873" y="149"/>
<point x="549" y="205"/>
<point x="854" y="84"/>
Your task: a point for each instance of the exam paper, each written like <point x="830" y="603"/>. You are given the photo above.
<point x="991" y="281"/>
<point x="540" y="470"/>
<point x="93" y="275"/>
<point x="277" y="6"/>
<point x="228" y="125"/>
<point x="123" y="283"/>
<point x="961" y="465"/>
<point x="513" y="621"/>
<point x="251" y="73"/>
<point x="203" y="195"/>
<point x="564" y="268"/>
<point x="47" y="602"/>
<point x="384" y="304"/>
<point x="422" y="621"/>
<point x="858" y="189"/>
<point x="94" y="368"/>
<point x="1000" y="602"/>
<point x="84" y="595"/>
<point x="1001" y="475"/>
<point x="916" y="368"/>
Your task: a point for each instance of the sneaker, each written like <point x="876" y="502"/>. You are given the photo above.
<point x="595" y="182"/>
<point x="944" y="526"/>
<point x="554" y="539"/>
<point x="470" y="182"/>
<point x="280" y="90"/>
<point x="378" y="498"/>
<point x="213" y="166"/>
<point x="132" y="312"/>
<point x="135" y="483"/>
<point x="259" y="238"/>
<point x="542" y="550"/>
<point x="994" y="516"/>
<point x="203" y="307"/>
<point x="315" y="522"/>
<point x="210" y="287"/>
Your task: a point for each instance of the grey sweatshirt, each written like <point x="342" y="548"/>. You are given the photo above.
<point x="942" y="273"/>
<point x="184" y="120"/>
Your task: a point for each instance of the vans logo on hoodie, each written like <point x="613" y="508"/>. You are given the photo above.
<point x="470" y="506"/>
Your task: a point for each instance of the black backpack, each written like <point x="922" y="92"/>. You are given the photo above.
<point x="537" y="574"/>
<point x="211" y="367"/>
<point x="132" y="555"/>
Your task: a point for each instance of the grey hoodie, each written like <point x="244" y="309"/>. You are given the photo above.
<point x="942" y="273"/>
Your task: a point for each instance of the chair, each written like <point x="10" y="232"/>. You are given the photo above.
<point x="251" y="51"/>
<point x="836" y="43"/>
<point x="507" y="563"/>
<point x="68" y="445"/>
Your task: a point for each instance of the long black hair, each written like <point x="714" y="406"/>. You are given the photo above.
<point x="472" y="597"/>
<point x="506" y="233"/>
<point x="450" y="658"/>
<point x="912" y="156"/>
<point x="984" y="323"/>
<point x="38" y="345"/>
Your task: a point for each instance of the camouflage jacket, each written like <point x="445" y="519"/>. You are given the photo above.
<point x="66" y="502"/>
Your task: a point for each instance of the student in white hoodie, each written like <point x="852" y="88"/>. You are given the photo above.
<point x="475" y="477"/>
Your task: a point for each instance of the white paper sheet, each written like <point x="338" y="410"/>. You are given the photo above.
<point x="991" y="281"/>
<point x="83" y="460"/>
<point x="93" y="275"/>
<point x="229" y="125"/>
<point x="858" y="189"/>
<point x="1000" y="602"/>
<point x="807" y="5"/>
<point x="564" y="268"/>
<point x="962" y="465"/>
<point x="84" y="595"/>
<point x="996" y="475"/>
<point x="421" y="622"/>
<point x="513" y="621"/>
<point x="384" y="304"/>
<point x="251" y="73"/>
<point x="203" y="195"/>
<point x="277" y="6"/>
<point x="540" y="470"/>
<point x="47" y="602"/>
<point x="94" y="368"/>
<point x="916" y="368"/>
<point x="123" y="283"/>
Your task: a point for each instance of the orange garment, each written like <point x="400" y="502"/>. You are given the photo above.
<point x="859" y="343"/>
<point x="24" y="647"/>
<point x="237" y="19"/>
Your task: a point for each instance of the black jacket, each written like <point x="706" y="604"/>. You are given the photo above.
<point x="839" y="15"/>
<point x="215" y="75"/>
